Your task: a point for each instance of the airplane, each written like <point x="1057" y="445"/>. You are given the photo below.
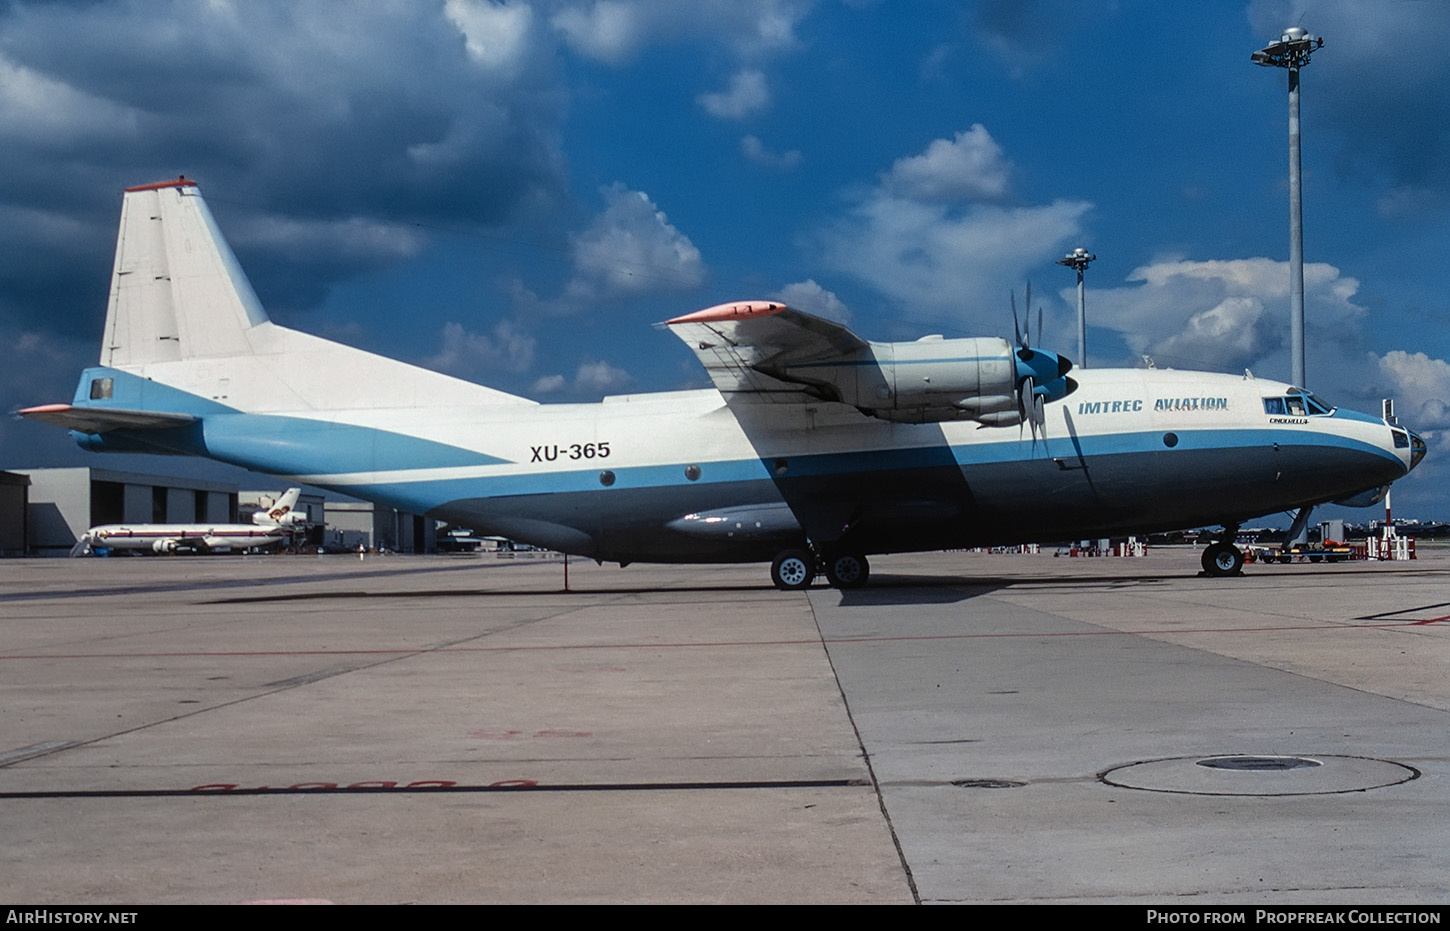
<point x="814" y="449"/>
<point x="273" y="525"/>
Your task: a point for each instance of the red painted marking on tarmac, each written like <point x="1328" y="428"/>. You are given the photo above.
<point x="1430" y="620"/>
<point x="221" y="788"/>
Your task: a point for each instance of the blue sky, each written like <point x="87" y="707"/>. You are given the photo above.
<point x="514" y="192"/>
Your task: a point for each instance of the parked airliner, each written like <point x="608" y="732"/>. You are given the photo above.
<point x="267" y="527"/>
<point x="814" y="449"/>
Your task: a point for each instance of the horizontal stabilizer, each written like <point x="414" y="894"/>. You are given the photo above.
<point x="98" y="420"/>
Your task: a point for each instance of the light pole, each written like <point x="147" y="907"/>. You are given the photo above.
<point x="1079" y="259"/>
<point x="1292" y="51"/>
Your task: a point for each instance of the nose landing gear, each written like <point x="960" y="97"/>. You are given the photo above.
<point x="1223" y="558"/>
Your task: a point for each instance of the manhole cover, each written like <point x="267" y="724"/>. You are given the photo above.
<point x="1258" y="764"/>
<point x="1251" y="774"/>
<point x="987" y="784"/>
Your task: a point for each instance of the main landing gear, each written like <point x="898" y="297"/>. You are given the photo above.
<point x="794" y="570"/>
<point x="1223" y="558"/>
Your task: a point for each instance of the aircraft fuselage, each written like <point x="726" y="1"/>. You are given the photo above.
<point x="686" y="477"/>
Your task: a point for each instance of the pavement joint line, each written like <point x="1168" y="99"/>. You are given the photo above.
<point x="865" y="757"/>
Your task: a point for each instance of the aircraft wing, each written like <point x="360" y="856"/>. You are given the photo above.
<point x="99" y="420"/>
<point x="741" y="343"/>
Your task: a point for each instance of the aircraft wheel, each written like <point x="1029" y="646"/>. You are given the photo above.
<point x="1223" y="559"/>
<point x="847" y="570"/>
<point x="793" y="570"/>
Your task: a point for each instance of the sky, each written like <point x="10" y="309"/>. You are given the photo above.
<point x="517" y="191"/>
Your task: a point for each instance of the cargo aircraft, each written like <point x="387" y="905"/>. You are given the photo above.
<point x="815" y="448"/>
<point x="272" y="525"/>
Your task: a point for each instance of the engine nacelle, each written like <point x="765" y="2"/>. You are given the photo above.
<point x="934" y="379"/>
<point x="164" y="547"/>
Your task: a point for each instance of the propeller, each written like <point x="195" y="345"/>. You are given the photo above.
<point x="1041" y="375"/>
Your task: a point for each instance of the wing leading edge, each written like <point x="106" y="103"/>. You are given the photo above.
<point x="101" y="420"/>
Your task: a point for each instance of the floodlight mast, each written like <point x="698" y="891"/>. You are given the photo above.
<point x="1292" y="51"/>
<point x="1079" y="259"/>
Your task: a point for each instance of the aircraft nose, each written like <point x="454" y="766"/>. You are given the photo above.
<point x="1417" y="448"/>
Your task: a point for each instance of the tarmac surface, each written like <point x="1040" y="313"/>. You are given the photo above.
<point x="970" y="728"/>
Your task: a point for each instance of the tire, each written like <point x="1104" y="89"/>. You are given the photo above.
<point x="847" y="570"/>
<point x="793" y="570"/>
<point x="1223" y="559"/>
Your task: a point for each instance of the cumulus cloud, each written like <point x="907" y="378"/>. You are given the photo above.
<point x="343" y="135"/>
<point x="615" y="31"/>
<point x="812" y="298"/>
<point x="477" y="356"/>
<point x="932" y="236"/>
<point x="592" y="379"/>
<point x="746" y="96"/>
<point x="1420" y="385"/>
<point x="1222" y="315"/>
<point x="357" y="240"/>
<point x="754" y="150"/>
<point x="630" y="250"/>
<point x="608" y="30"/>
<point x="970" y="167"/>
<point x="496" y="35"/>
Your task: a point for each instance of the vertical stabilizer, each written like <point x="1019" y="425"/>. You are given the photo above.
<point x="177" y="291"/>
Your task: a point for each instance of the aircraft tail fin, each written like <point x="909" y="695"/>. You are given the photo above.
<point x="283" y="510"/>
<point x="177" y="291"/>
<point x="182" y="313"/>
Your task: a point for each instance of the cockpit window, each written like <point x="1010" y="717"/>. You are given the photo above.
<point x="1297" y="403"/>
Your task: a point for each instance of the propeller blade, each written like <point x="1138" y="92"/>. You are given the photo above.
<point x="1028" y="335"/>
